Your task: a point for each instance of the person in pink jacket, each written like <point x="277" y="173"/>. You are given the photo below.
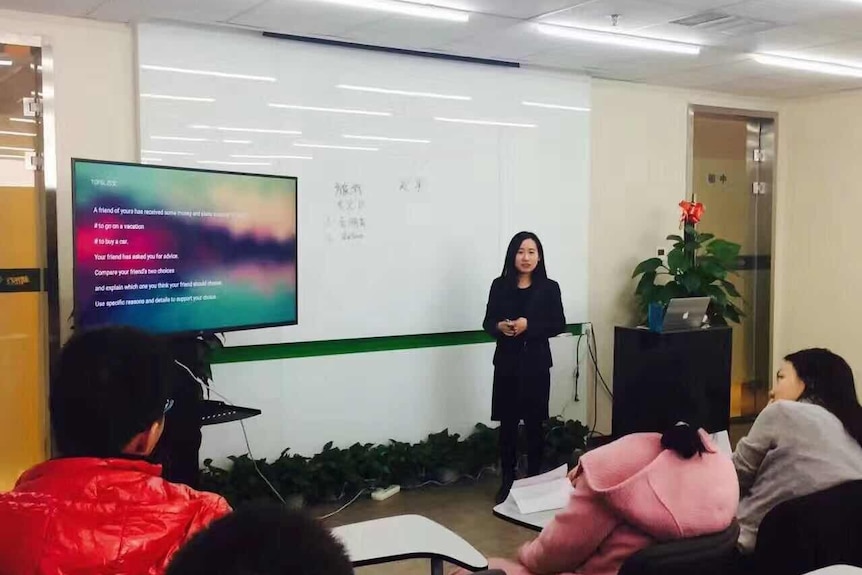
<point x="641" y="489"/>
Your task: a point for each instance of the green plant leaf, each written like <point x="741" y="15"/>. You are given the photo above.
<point x="732" y="313"/>
<point x="675" y="238"/>
<point x="731" y="289"/>
<point x="678" y="261"/>
<point x="646" y="285"/>
<point x="703" y="238"/>
<point x="691" y="281"/>
<point x="723" y="250"/>
<point x="717" y="294"/>
<point x="647" y="266"/>
<point x="712" y="269"/>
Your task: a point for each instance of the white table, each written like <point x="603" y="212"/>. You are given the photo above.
<point x="837" y="570"/>
<point x="407" y="537"/>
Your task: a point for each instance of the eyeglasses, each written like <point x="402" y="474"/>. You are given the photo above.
<point x="168" y="405"/>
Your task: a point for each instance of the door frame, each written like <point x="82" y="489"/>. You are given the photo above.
<point x="772" y="118"/>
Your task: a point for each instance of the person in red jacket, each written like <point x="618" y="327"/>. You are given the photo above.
<point x="100" y="508"/>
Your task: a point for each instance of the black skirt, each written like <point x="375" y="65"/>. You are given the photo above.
<point x="520" y="395"/>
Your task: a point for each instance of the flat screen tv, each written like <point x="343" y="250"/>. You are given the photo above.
<point x="176" y="250"/>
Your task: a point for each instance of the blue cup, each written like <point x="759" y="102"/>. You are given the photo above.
<point x="655" y="316"/>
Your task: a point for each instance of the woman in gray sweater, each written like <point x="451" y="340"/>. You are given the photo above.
<point x="808" y="439"/>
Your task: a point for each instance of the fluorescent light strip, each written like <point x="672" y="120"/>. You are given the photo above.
<point x="250" y="130"/>
<point x="253" y="157"/>
<point x="622" y="40"/>
<point x="11" y="157"/>
<point x="8" y="133"/>
<point x="206" y="73"/>
<point x="808" y="65"/>
<point x="5" y="62"/>
<point x="220" y="163"/>
<point x="406" y="8"/>
<point x="485" y="122"/>
<point x="236" y="141"/>
<point x="330" y="110"/>
<point x="23" y="120"/>
<point x="556" y="106"/>
<point x="403" y="92"/>
<point x="385" y="139"/>
<point x="178" y="139"/>
<point x="331" y="147"/>
<point x="179" y="98"/>
<point x="14" y="149"/>
<point x="157" y="152"/>
<point x="152" y="160"/>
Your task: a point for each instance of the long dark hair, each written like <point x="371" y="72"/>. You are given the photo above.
<point x="683" y="439"/>
<point x="510" y="272"/>
<point x="829" y="382"/>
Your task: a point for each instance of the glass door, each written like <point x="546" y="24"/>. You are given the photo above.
<point x="23" y="303"/>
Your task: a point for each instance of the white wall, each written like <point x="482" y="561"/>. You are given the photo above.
<point x="819" y="210"/>
<point x="638" y="176"/>
<point x="95" y="105"/>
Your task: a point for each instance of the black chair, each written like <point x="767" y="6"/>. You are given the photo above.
<point x="811" y="532"/>
<point x="713" y="554"/>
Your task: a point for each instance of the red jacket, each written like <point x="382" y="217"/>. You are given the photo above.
<point x="87" y="516"/>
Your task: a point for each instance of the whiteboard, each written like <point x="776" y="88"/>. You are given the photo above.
<point x="404" y="214"/>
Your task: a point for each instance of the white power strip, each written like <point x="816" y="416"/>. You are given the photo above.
<point x="386" y="493"/>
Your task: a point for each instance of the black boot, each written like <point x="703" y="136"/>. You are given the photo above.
<point x="505" y="487"/>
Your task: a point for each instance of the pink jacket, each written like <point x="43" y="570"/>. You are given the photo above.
<point x="628" y="495"/>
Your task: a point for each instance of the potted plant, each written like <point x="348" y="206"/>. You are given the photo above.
<point x="698" y="265"/>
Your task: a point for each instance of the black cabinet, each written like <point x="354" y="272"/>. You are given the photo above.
<point x="662" y="378"/>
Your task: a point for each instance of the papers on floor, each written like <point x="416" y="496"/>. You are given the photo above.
<point x="543" y="492"/>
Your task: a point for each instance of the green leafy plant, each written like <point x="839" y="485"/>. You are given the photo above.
<point x="698" y="265"/>
<point x="335" y="473"/>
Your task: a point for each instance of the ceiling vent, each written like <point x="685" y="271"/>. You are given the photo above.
<point x="721" y="23"/>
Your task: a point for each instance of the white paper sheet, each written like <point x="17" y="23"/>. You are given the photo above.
<point x="722" y="441"/>
<point x="544" y="492"/>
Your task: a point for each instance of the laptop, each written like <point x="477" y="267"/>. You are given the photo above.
<point x="685" y="314"/>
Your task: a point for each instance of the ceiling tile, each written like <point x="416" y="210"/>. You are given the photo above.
<point x="522" y="9"/>
<point x="845" y="51"/>
<point x="793" y="11"/>
<point x="78" y="8"/>
<point x="186" y="10"/>
<point x="633" y="14"/>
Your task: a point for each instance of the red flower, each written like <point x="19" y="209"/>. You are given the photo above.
<point x="691" y="212"/>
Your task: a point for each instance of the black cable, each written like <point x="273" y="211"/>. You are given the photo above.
<point x="594" y="352"/>
<point x="578" y="366"/>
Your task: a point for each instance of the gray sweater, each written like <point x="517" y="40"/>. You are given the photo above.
<point x="794" y="448"/>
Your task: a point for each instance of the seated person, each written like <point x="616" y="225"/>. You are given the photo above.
<point x="100" y="507"/>
<point x="631" y="493"/>
<point x="264" y="539"/>
<point x="807" y="439"/>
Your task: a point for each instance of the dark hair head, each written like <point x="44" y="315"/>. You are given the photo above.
<point x="684" y="439"/>
<point x="829" y="382"/>
<point x="262" y="539"/>
<point x="108" y="385"/>
<point x="510" y="272"/>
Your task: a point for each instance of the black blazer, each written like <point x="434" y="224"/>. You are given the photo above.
<point x="545" y="319"/>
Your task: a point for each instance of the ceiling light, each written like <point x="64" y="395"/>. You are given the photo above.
<point x="220" y="163"/>
<point x="14" y="149"/>
<point x="402" y="92"/>
<point x="152" y="160"/>
<point x="23" y="120"/>
<point x="5" y="62"/>
<point x="406" y="8"/>
<point x="207" y="73"/>
<point x="11" y="157"/>
<point x="622" y="40"/>
<point x="485" y="122"/>
<point x="8" y="133"/>
<point x="385" y="139"/>
<point x="251" y="130"/>
<point x="236" y="141"/>
<point x="556" y="106"/>
<point x="809" y="65"/>
<point x="330" y="110"/>
<point x="180" y="98"/>
<point x="330" y="147"/>
<point x="157" y="152"/>
<point x="252" y="157"/>
<point x="178" y="139"/>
